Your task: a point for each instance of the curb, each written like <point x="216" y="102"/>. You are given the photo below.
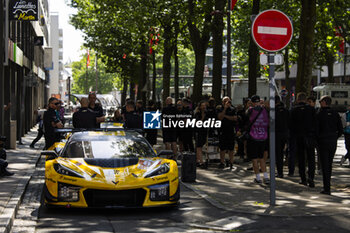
<point x="13" y="204"/>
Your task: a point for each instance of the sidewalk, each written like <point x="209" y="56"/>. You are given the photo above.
<point x="22" y="162"/>
<point x="234" y="190"/>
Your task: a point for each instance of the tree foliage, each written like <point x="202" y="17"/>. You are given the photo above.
<point x="107" y="82"/>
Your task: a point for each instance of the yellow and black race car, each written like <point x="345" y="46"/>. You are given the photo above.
<point x="109" y="169"/>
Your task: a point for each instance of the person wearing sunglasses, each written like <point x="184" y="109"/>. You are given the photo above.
<point x="51" y="122"/>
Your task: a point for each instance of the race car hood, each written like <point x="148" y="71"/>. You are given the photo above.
<point x="112" y="171"/>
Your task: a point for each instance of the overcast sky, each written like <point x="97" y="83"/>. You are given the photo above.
<point x="72" y="39"/>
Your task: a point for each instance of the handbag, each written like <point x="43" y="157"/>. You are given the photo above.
<point x="245" y="135"/>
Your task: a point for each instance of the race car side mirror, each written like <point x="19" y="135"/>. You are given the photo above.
<point x="49" y="153"/>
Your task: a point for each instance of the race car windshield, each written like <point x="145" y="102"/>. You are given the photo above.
<point x="124" y="148"/>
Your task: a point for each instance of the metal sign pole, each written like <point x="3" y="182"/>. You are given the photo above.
<point x="271" y="57"/>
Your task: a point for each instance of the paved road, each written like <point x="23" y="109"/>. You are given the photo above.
<point x="194" y="214"/>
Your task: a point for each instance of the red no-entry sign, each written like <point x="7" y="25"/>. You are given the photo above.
<point x="272" y="30"/>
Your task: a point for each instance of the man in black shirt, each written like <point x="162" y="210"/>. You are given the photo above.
<point x="96" y="108"/>
<point x="303" y="129"/>
<point x="187" y="133"/>
<point x="84" y="118"/>
<point x="228" y="117"/>
<point x="329" y="129"/>
<point x="51" y="123"/>
<point x="169" y="134"/>
<point x="282" y="134"/>
<point x="132" y="119"/>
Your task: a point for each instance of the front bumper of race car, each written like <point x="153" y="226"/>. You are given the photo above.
<point x="68" y="195"/>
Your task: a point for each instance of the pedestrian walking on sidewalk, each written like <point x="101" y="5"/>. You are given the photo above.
<point x="51" y="122"/>
<point x="40" y="121"/>
<point x="303" y="129"/>
<point x="346" y="125"/>
<point x="258" y="136"/>
<point x="329" y="129"/>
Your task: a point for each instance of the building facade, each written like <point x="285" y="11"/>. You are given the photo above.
<point x="23" y="77"/>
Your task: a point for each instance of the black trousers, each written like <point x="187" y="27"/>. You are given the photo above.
<point x="40" y="134"/>
<point x="187" y="141"/>
<point x="281" y="141"/>
<point x="327" y="151"/>
<point x="306" y="151"/>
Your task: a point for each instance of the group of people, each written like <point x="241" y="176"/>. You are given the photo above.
<point x="90" y="115"/>
<point x="300" y="133"/>
<point x="244" y="131"/>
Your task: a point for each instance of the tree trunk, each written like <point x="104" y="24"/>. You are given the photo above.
<point x="154" y="77"/>
<point x="176" y="74"/>
<point x="305" y="45"/>
<point x="287" y="73"/>
<point x="125" y="89"/>
<point x="132" y="90"/>
<point x="166" y="63"/>
<point x="253" y="57"/>
<point x="198" y="76"/>
<point x="217" y="31"/>
<point x="330" y="62"/>
<point x="199" y="43"/>
<point x="176" y="58"/>
<point x="141" y="94"/>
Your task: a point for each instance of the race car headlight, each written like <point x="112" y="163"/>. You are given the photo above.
<point x="159" y="192"/>
<point x="67" y="192"/>
<point x="60" y="169"/>
<point x="162" y="169"/>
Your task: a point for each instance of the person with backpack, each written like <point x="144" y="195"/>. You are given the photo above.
<point x="258" y="137"/>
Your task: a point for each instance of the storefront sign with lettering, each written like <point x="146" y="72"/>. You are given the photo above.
<point x="23" y="10"/>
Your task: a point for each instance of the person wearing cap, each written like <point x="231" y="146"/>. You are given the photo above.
<point x="303" y="129"/>
<point x="258" y="137"/>
<point x="329" y="129"/>
<point x="228" y="116"/>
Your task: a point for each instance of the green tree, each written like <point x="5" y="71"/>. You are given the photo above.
<point x="107" y="82"/>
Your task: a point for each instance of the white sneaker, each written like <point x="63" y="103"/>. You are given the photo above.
<point x="342" y="160"/>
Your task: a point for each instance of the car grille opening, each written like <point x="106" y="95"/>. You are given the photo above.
<point x="115" y="198"/>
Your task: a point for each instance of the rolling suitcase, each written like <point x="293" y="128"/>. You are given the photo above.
<point x="188" y="167"/>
